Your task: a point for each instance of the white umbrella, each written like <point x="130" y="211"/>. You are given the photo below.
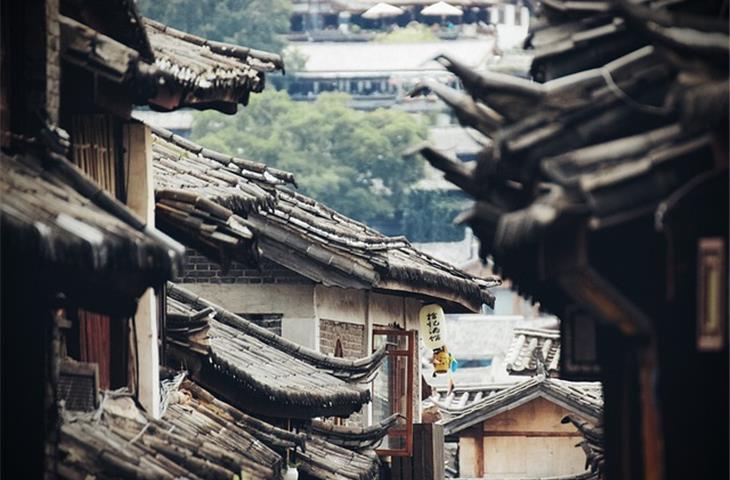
<point x="442" y="9"/>
<point x="382" y="10"/>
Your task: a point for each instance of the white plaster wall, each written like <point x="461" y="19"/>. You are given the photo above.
<point x="341" y="304"/>
<point x="304" y="331"/>
<point x="295" y="302"/>
<point x="386" y="310"/>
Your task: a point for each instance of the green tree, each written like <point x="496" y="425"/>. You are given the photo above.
<point x="428" y="215"/>
<point x="349" y="159"/>
<point x="253" y="23"/>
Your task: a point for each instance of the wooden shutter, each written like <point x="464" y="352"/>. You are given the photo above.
<point x="95" y="150"/>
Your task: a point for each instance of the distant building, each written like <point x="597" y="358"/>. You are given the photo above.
<point x="320" y="16"/>
<point x="524" y="430"/>
<point x="497" y="422"/>
<point x="379" y="74"/>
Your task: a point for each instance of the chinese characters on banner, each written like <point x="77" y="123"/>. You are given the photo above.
<point x="433" y="326"/>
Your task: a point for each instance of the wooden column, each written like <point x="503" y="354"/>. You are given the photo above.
<point x="427" y="460"/>
<point x="479" y="448"/>
<point x="141" y="199"/>
<point x="650" y="416"/>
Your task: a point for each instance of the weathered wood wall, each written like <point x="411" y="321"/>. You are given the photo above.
<point x="527" y="440"/>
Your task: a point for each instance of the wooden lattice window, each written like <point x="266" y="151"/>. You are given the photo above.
<point x="96" y="143"/>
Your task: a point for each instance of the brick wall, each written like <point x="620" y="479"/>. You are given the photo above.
<point x="351" y="336"/>
<point x="271" y="322"/>
<point x="198" y="268"/>
<point x="352" y="339"/>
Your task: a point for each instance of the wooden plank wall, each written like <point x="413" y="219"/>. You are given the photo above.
<point x="427" y="461"/>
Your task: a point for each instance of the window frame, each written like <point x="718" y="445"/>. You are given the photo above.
<point x="409" y="355"/>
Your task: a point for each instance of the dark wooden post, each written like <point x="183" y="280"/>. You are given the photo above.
<point x="427" y="460"/>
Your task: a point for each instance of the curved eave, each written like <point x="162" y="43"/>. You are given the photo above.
<point x="343" y="368"/>
<point x="456" y="302"/>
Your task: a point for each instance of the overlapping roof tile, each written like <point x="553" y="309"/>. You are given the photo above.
<point x="298" y="232"/>
<point x="261" y="370"/>
<point x="583" y="398"/>
<point x="628" y="97"/>
<point x="167" y="68"/>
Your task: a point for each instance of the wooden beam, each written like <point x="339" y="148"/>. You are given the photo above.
<point x="527" y="433"/>
<point x="141" y="199"/>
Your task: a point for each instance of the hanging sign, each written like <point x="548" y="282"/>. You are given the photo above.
<point x="433" y="326"/>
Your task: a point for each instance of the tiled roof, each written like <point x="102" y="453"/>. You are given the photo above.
<point x="463" y="397"/>
<point x="632" y="96"/>
<point x="190" y="441"/>
<point x="206" y="73"/>
<point x="530" y="343"/>
<point x="57" y="220"/>
<point x="583" y="398"/>
<point x="180" y="70"/>
<point x="260" y="370"/>
<point x="317" y="457"/>
<point x="198" y="436"/>
<point x="294" y="230"/>
<point x="327" y="461"/>
<point x="355" y="437"/>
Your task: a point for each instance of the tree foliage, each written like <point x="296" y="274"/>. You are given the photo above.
<point x="428" y="215"/>
<point x="251" y="23"/>
<point x="349" y="159"/>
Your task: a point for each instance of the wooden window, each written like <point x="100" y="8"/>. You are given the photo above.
<point x="711" y="294"/>
<point x="104" y="341"/>
<point x="579" y="349"/>
<point x="393" y="389"/>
